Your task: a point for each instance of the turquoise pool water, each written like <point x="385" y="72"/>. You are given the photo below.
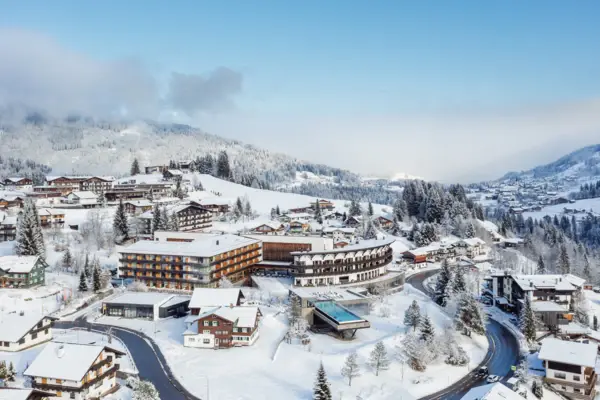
<point x="335" y="311"/>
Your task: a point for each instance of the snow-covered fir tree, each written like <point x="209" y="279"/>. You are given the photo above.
<point x="443" y="285"/>
<point x="3" y="370"/>
<point x="155" y="218"/>
<point x="238" y="209"/>
<point x="541" y="266"/>
<point x="294" y="311"/>
<point x="587" y="268"/>
<point x="67" y="258"/>
<point x="174" y="222"/>
<point x="318" y="214"/>
<point x="459" y="284"/>
<point x="135" y="167"/>
<point x="354" y="209"/>
<point x="563" y="265"/>
<point x="537" y="388"/>
<point x="120" y="224"/>
<point x="399" y="210"/>
<point x="527" y="321"/>
<point x="223" y="167"/>
<point x="96" y="280"/>
<point x="322" y="389"/>
<point x="30" y="240"/>
<point x="412" y="316"/>
<point x="145" y="390"/>
<point x="370" y="211"/>
<point x="178" y="191"/>
<point x="426" y="330"/>
<point x="413" y="351"/>
<point x="368" y="230"/>
<point x="469" y="315"/>
<point x="378" y="359"/>
<point x="163" y="222"/>
<point x="11" y="373"/>
<point x="83" y="287"/>
<point x="247" y="208"/>
<point x="579" y="307"/>
<point x="595" y="323"/>
<point x="470" y="230"/>
<point x="351" y="369"/>
<point x="87" y="267"/>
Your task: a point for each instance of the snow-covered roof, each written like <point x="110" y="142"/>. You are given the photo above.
<point x="68" y="361"/>
<point x="206" y="246"/>
<point x="18" y="264"/>
<point x="139" y="203"/>
<point x="548" y="306"/>
<point x="141" y="299"/>
<point x="7" y="393"/>
<point x="299" y="215"/>
<point x="583" y="354"/>
<point x="330" y="229"/>
<point x="9" y="221"/>
<point x="271" y="224"/>
<point x="15" y="179"/>
<point x="50" y="211"/>
<point x="244" y="317"/>
<point x="567" y="282"/>
<point x="214" y="297"/>
<point x="86" y="194"/>
<point x="14" y="326"/>
<point x="492" y="391"/>
<point x="473" y="242"/>
<point x="175" y="300"/>
<point x="175" y="172"/>
<point x="362" y="245"/>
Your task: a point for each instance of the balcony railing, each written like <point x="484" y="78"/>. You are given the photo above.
<point x="374" y="264"/>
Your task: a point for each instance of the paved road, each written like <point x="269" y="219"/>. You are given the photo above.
<point x="149" y="364"/>
<point x="502" y="353"/>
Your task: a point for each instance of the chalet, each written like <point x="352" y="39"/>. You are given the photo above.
<point x="171" y="174"/>
<point x="137" y="207"/>
<point x="19" y="183"/>
<point x="434" y="252"/>
<point x="8" y="227"/>
<point x="299" y="216"/>
<point x="204" y="299"/>
<point x="298" y="227"/>
<point x="217" y="205"/>
<point x="84" y="199"/>
<point x="97" y="184"/>
<point x="9" y="393"/>
<point x="22" y="331"/>
<point x="339" y="234"/>
<point x="333" y="215"/>
<point x="323" y="205"/>
<point x="75" y="371"/>
<point x="11" y="201"/>
<point x="384" y="222"/>
<point x="269" y="228"/>
<point x="154" y="169"/>
<point x="223" y="327"/>
<point x="65" y="184"/>
<point x="471" y="247"/>
<point x="353" y="221"/>
<point x="51" y="217"/>
<point x="570" y="367"/>
<point x="22" y="271"/>
<point x="512" y="242"/>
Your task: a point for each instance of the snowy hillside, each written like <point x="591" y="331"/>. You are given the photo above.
<point x="578" y="164"/>
<point x="81" y="146"/>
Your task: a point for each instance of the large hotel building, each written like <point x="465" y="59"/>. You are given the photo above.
<point x="179" y="260"/>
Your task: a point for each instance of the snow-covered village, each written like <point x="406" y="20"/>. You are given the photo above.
<point x="299" y="201"/>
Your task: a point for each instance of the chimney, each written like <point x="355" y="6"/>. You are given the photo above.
<point x="217" y="242"/>
<point x="230" y="305"/>
<point x="530" y="284"/>
<point x="21" y="313"/>
<point x="60" y="351"/>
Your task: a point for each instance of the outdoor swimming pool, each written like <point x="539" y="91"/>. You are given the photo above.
<point x="337" y="312"/>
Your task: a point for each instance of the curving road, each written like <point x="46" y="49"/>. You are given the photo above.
<point x="502" y="353"/>
<point x="150" y="362"/>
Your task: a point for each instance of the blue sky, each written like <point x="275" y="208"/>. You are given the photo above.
<point x="315" y="60"/>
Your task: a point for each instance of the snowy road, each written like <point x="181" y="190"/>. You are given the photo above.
<point x="150" y="362"/>
<point x="502" y="353"/>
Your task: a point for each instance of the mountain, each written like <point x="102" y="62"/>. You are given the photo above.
<point x="580" y="164"/>
<point x="86" y="146"/>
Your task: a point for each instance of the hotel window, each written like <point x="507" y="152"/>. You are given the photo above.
<point x="560" y="375"/>
<point x="576" y="378"/>
<point x="215" y="323"/>
<point x="206" y="341"/>
<point x="206" y="323"/>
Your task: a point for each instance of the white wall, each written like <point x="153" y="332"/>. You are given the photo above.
<point x="198" y="341"/>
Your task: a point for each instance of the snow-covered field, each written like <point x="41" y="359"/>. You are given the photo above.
<point x="586" y="204"/>
<point x="274" y="369"/>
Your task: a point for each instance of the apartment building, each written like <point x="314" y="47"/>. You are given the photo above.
<point x="189" y="263"/>
<point x="8" y="227"/>
<point x="570" y="367"/>
<point x="189" y="217"/>
<point x="51" y="217"/>
<point x="75" y="371"/>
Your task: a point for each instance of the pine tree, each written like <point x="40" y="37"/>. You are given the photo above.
<point x="400" y="210"/>
<point x="155" y="218"/>
<point x="459" y="285"/>
<point x="443" y="285"/>
<point x="469" y="315"/>
<point x="120" y="225"/>
<point x="87" y="268"/>
<point x="587" y="273"/>
<point x="223" y="168"/>
<point x="351" y="368"/>
<point x="82" y="283"/>
<point x="145" y="390"/>
<point x="67" y="259"/>
<point x="163" y="223"/>
<point x="412" y="315"/>
<point x="470" y="230"/>
<point x="295" y="310"/>
<point x="3" y="370"/>
<point x="96" y="279"/>
<point x="541" y="266"/>
<point x="11" y="372"/>
<point x="370" y="209"/>
<point x="595" y="323"/>
<point x="538" y="389"/>
<point x="527" y="321"/>
<point x="135" y="167"/>
<point x="368" y="231"/>
<point x="354" y="209"/>
<point x="247" y="208"/>
<point x="277" y="210"/>
<point x="238" y="210"/>
<point x="378" y="360"/>
<point x="414" y="351"/>
<point x="318" y="215"/>
<point x="30" y="241"/>
<point x="178" y="191"/>
<point x="563" y="264"/>
<point x="322" y="390"/>
<point x="427" y="330"/>
<point x="174" y="222"/>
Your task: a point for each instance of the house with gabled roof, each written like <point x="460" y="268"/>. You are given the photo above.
<point x="269" y="228"/>
<point x="223" y="327"/>
<point x="9" y="393"/>
<point x="22" y="271"/>
<point x="83" y="198"/>
<point x="22" y="331"/>
<point x="208" y="298"/>
<point x="75" y="371"/>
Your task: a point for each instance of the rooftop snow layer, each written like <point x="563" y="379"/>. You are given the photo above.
<point x="14" y="326"/>
<point x="362" y="245"/>
<point x="18" y="264"/>
<point x="492" y="391"/>
<point x="583" y="354"/>
<point x="214" y="297"/>
<point x="567" y="282"/>
<point x="141" y="299"/>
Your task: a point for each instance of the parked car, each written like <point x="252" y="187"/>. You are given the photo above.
<point x="492" y="379"/>
<point x="514" y="321"/>
<point x="596" y="289"/>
